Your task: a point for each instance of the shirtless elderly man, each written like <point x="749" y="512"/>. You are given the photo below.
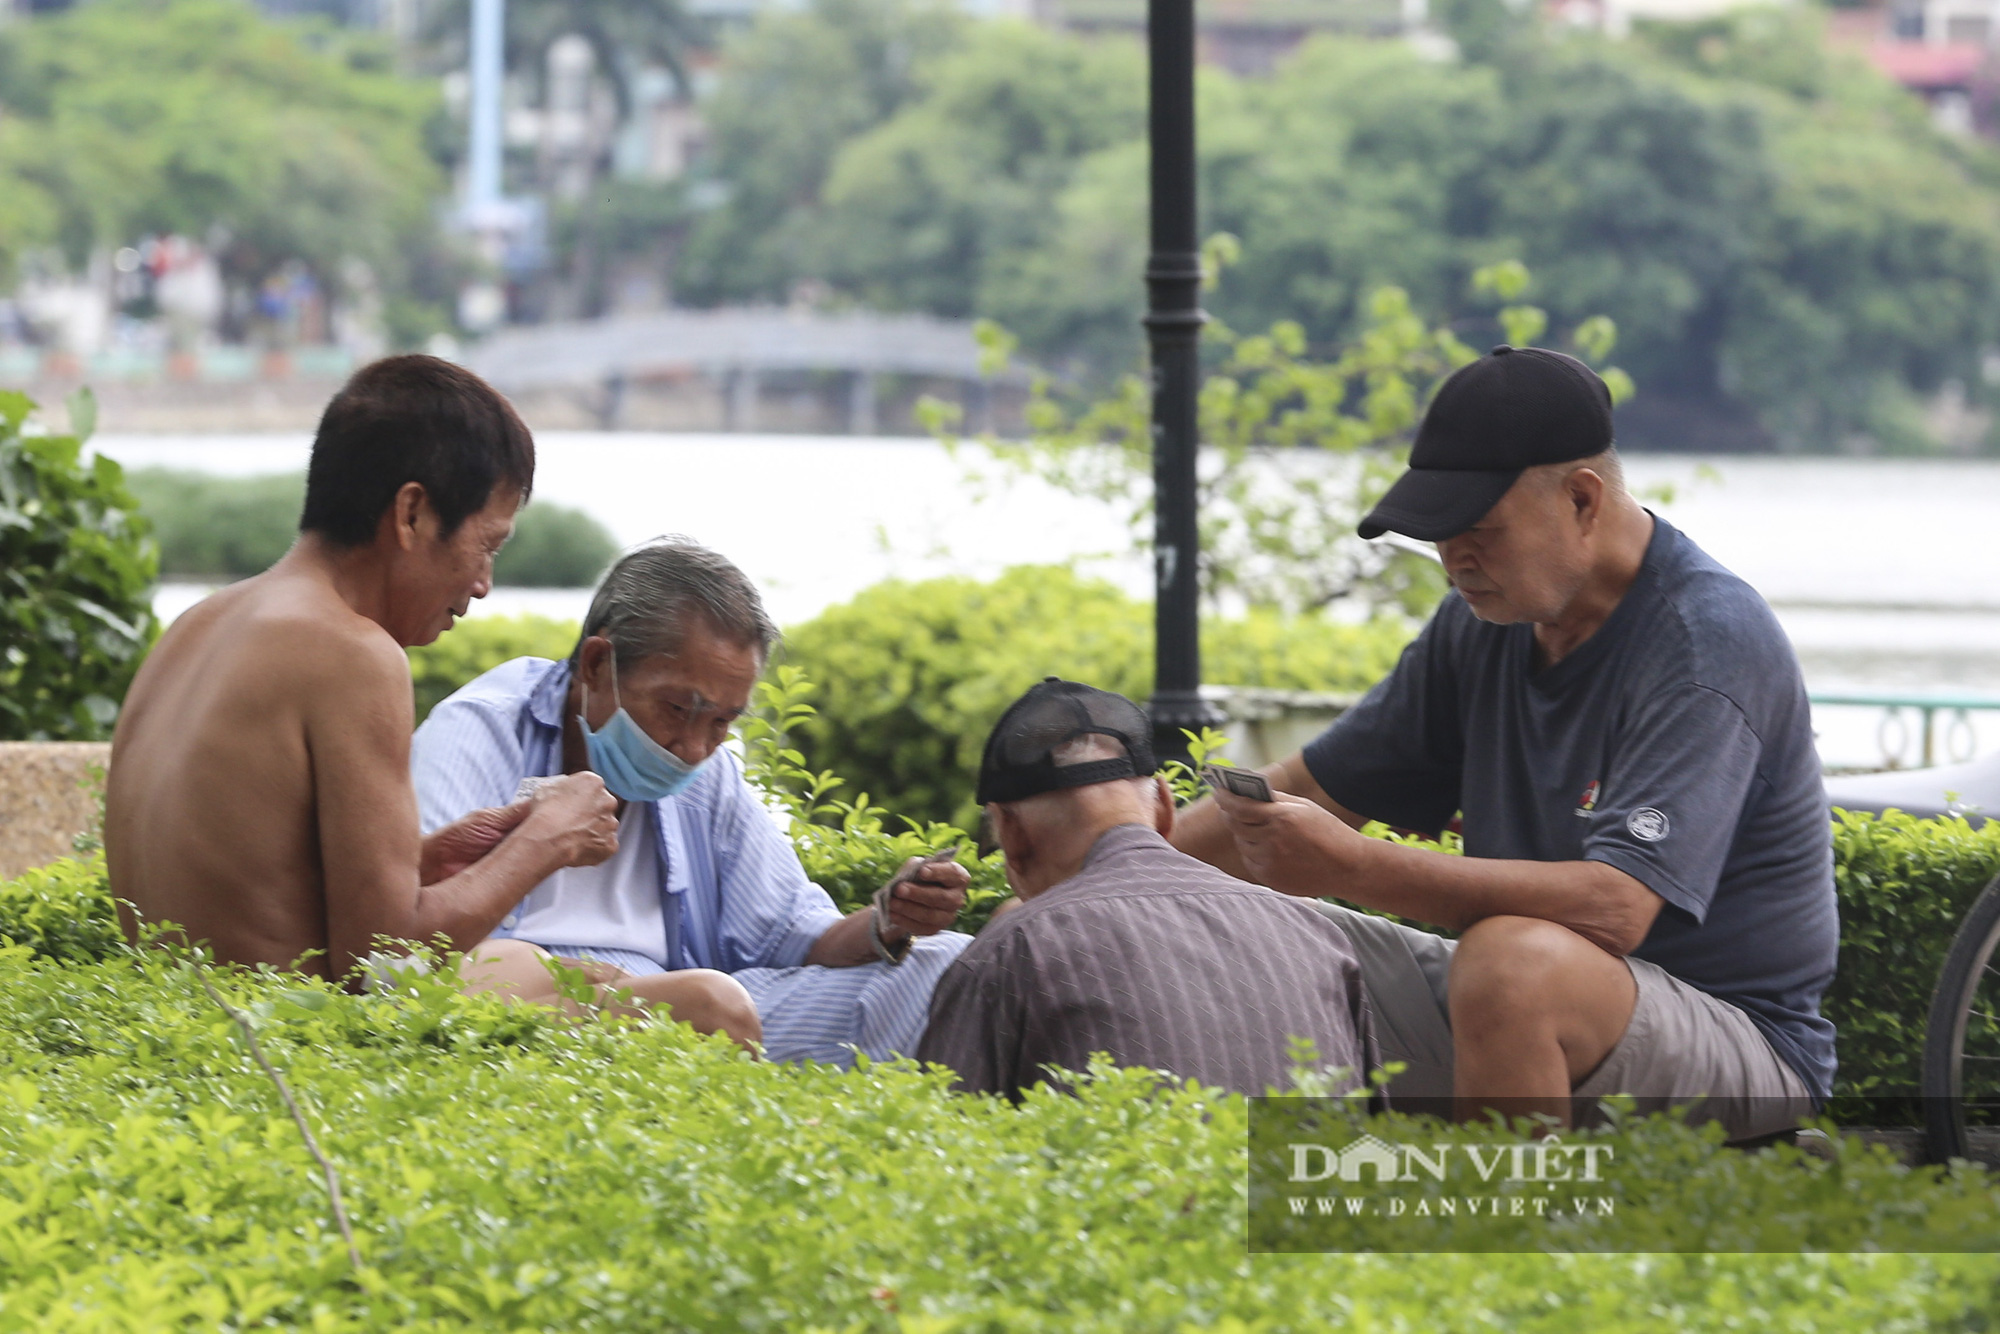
<point x="259" y="791"/>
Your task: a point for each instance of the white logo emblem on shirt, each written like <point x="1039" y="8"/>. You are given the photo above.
<point x="1648" y="824"/>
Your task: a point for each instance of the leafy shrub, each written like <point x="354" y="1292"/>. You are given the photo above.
<point x="504" y="1170"/>
<point x="219" y="527"/>
<point x="477" y="646"/>
<point x="846" y="844"/>
<point x="62" y="911"/>
<point x="1904" y="885"/>
<point x="76" y="568"/>
<point x="232" y="527"/>
<point x="914" y="675"/>
<point x="554" y="547"/>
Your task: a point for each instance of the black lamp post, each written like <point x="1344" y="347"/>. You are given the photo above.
<point x="1173" y="331"/>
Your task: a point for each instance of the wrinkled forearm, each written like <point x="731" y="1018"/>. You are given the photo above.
<point x="466" y="907"/>
<point x="1599" y="902"/>
<point x="845" y="944"/>
<point x="463" y="909"/>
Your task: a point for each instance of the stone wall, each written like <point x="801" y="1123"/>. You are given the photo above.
<point x="1264" y="726"/>
<point x="46" y="799"/>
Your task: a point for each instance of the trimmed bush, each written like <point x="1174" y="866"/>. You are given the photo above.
<point x="219" y="527"/>
<point x="914" y="675"/>
<point x="62" y="911"/>
<point x="476" y="646"/>
<point x="213" y="527"/>
<point x="1903" y="883"/>
<point x="1904" y="886"/>
<point x="554" y="547"/>
<point x="505" y="1170"/>
<point x="76" y="568"/>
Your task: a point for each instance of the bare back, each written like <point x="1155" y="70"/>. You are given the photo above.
<point x="257" y="708"/>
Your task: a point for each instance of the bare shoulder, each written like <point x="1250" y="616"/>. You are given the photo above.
<point x="294" y="643"/>
<point x="306" y="626"/>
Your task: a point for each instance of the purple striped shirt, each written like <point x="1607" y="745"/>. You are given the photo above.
<point x="1156" y="960"/>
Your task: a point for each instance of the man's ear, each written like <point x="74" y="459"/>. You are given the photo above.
<point x="593" y="663"/>
<point x="1585" y="490"/>
<point x="1009" y="832"/>
<point x="1163" y="807"/>
<point x="410" y="511"/>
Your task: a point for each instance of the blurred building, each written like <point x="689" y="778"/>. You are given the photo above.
<point x="1243" y="36"/>
<point x="1941" y="50"/>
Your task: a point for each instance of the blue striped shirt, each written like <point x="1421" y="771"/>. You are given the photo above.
<point x="733" y="894"/>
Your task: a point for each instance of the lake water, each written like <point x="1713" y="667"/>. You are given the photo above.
<point x="1882" y="571"/>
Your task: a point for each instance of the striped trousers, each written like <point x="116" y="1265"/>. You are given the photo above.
<point x="821" y="1014"/>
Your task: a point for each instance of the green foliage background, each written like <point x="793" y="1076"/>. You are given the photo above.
<point x="218" y="527"/>
<point x="1791" y="251"/>
<point x="480" y="644"/>
<point x="507" y="1169"/>
<point x="912" y="676"/>
<point x="1904" y="885"/>
<point x="124" y="117"/>
<point x="76" y="575"/>
<point x="230" y="527"/>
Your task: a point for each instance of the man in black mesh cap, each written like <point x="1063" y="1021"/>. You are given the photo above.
<point x="1646" y="902"/>
<point x="1122" y="945"/>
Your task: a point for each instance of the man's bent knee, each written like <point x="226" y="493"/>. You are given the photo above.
<point x="708" y="1001"/>
<point x="513" y="967"/>
<point x="1516" y="981"/>
<point x="1512" y="963"/>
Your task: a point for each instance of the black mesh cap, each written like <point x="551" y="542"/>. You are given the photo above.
<point x="1020" y="754"/>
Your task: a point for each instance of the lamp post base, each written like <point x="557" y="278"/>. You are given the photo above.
<point x="1175" y="713"/>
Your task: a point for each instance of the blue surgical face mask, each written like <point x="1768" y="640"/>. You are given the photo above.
<point x="632" y="764"/>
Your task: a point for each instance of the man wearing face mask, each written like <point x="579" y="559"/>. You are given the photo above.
<point x="671" y="650"/>
<point x="1646" y="902"/>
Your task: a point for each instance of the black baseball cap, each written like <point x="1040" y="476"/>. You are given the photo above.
<point x="1020" y="754"/>
<point x="1509" y="411"/>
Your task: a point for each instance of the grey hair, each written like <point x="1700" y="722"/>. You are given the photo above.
<point x="649" y="597"/>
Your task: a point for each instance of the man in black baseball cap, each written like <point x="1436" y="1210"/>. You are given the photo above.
<point x="1520" y="408"/>
<point x="1122" y="945"/>
<point x="1618" y="723"/>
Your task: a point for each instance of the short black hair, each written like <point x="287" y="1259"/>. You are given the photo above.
<point x="417" y="419"/>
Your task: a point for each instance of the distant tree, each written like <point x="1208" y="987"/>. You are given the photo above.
<point x="945" y="206"/>
<point x="1793" y="254"/>
<point x="794" y="89"/>
<point x="627" y="40"/>
<point x="555" y="547"/>
<point x="124" y="117"/>
<point x="624" y="36"/>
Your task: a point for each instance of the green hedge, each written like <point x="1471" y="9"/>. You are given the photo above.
<point x="914" y="675"/>
<point x="504" y="1170"/>
<point x="76" y="570"/>
<point x="1904" y="886"/>
<point x="476" y="646"/>
<point x="213" y="527"/>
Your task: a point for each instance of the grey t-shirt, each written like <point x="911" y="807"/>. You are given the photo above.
<point x="1674" y="744"/>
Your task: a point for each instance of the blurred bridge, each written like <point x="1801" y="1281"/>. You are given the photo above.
<point x="735" y="347"/>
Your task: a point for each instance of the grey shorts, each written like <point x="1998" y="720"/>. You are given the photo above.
<point x="1682" y="1045"/>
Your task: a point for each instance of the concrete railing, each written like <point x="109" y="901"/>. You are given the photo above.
<point x="48" y="795"/>
<point x="1267" y="725"/>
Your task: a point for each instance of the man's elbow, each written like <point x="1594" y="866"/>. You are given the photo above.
<point x="1627" y="911"/>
